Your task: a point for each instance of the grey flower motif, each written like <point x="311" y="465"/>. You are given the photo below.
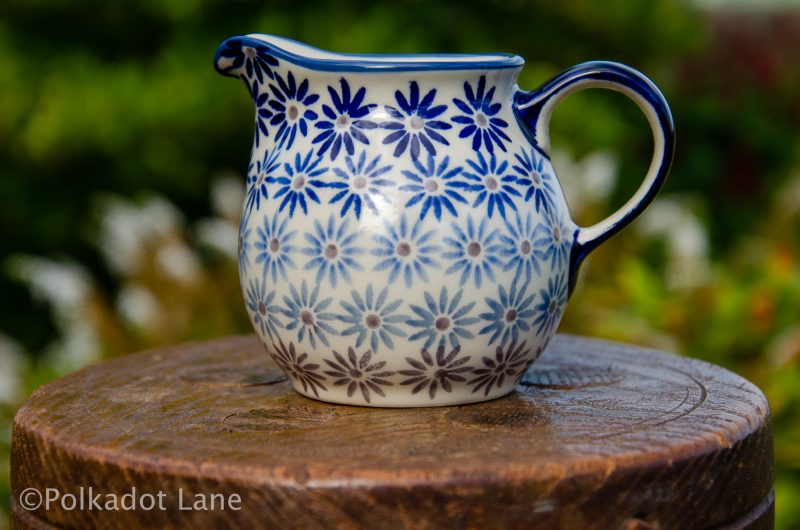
<point x="554" y="239"/>
<point x="308" y="315"/>
<point x="473" y="251"/>
<point x="372" y="317"/>
<point x="510" y="313"/>
<point x="554" y="301"/>
<point x="442" y="321"/>
<point x="297" y="367"/>
<point x="244" y="244"/>
<point x="432" y="373"/>
<point x="332" y="251"/>
<point x="358" y="374"/>
<point x="509" y="363"/>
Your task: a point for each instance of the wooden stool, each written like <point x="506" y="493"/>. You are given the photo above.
<point x="599" y="435"/>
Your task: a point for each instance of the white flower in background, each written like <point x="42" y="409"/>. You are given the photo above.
<point x="139" y="307"/>
<point x="673" y="219"/>
<point x="11" y="361"/>
<point x="221" y="232"/>
<point x="227" y="196"/>
<point x="66" y="288"/>
<point x="586" y="181"/>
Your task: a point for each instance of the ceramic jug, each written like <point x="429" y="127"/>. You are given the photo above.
<point x="404" y="241"/>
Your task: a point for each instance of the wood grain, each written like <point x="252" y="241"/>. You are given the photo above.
<point x="598" y="435"/>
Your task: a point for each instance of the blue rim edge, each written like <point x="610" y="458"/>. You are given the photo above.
<point x="614" y="73"/>
<point x="350" y="63"/>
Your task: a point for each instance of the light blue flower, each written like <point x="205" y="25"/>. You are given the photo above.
<point x="307" y="315"/>
<point x="509" y="314"/>
<point x="541" y="185"/>
<point x="495" y="185"/>
<point x="480" y="117"/>
<point x="372" y="317"/>
<point x="406" y="250"/>
<point x="474" y="251"/>
<point x="435" y="186"/>
<point x="442" y="322"/>
<point x="332" y="250"/>
<point x="274" y="247"/>
<point x="360" y="184"/>
<point x="263" y="312"/>
<point x="554" y="239"/>
<point x="259" y="175"/>
<point x="299" y="181"/>
<point x="244" y="243"/>
<point x="518" y="247"/>
<point x="550" y="309"/>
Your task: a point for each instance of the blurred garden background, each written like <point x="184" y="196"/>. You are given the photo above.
<point x="122" y="159"/>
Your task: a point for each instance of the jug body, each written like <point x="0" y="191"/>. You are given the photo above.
<point x="403" y="240"/>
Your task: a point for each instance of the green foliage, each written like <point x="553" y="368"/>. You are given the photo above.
<point x="104" y="100"/>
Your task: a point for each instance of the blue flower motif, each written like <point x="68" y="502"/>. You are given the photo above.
<point x="244" y="243"/>
<point x="550" y="309"/>
<point x="553" y="239"/>
<point x="510" y="313"/>
<point x="274" y="248"/>
<point x="494" y="185"/>
<point x="443" y="321"/>
<point x="298" y="182"/>
<point x="259" y="174"/>
<point x="414" y="123"/>
<point x="332" y="250"/>
<point x="435" y="186"/>
<point x="533" y="174"/>
<point x="480" y="117"/>
<point x="405" y="250"/>
<point x="288" y="108"/>
<point x="372" y="317"/>
<point x="263" y="312"/>
<point x="518" y="247"/>
<point x="345" y="121"/>
<point x="308" y="316"/>
<point x="474" y="251"/>
<point x="262" y="112"/>
<point x="360" y="184"/>
<point x="256" y="58"/>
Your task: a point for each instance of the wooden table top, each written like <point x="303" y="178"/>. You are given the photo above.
<point x="598" y="435"/>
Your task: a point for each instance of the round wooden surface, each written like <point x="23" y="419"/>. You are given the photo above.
<point x="598" y="435"/>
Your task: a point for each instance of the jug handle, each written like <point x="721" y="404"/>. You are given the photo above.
<point x="534" y="108"/>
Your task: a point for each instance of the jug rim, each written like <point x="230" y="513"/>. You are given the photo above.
<point x="302" y="54"/>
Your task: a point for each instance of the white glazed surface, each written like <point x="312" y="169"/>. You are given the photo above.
<point x="309" y="318"/>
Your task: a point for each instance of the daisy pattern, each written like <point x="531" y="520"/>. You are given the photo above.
<point x="358" y="373"/>
<point x="540" y="183"/>
<point x="372" y="317"/>
<point x="256" y="58"/>
<point x="435" y="372"/>
<point x="263" y="312"/>
<point x="553" y="239"/>
<point x="442" y="321"/>
<point x="298" y="182"/>
<point x="346" y="121"/>
<point x="509" y="314"/>
<point x="496" y="186"/>
<point x="263" y="114"/>
<point x="518" y="247"/>
<point x="479" y="118"/>
<point x="473" y="251"/>
<point x="258" y="176"/>
<point x="414" y="123"/>
<point x="290" y="112"/>
<point x="505" y="363"/>
<point x="405" y="250"/>
<point x="297" y="367"/>
<point x="332" y="250"/>
<point x="243" y="252"/>
<point x="274" y="247"/>
<point x="360" y="184"/>
<point x="435" y="186"/>
<point x="551" y="308"/>
<point x="307" y="315"/>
